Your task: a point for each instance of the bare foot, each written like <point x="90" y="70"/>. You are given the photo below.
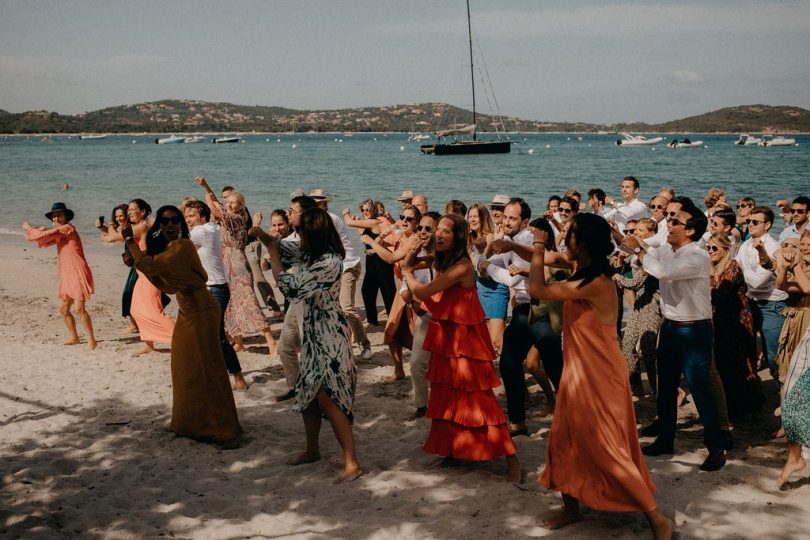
<point x="239" y="382"/>
<point x="239" y="348"/>
<point x="91" y="345"/>
<point x="561" y="520"/>
<point x="789" y="468"/>
<point x="779" y="433"/>
<point x="513" y="469"/>
<point x="681" y="397"/>
<point x="545" y="411"/>
<point x="663" y="530"/>
<point x="147" y="348"/>
<point x="304" y="457"/>
<point x="349" y="474"/>
<point x="394" y="378"/>
<point x="133" y="329"/>
<point x="72" y="341"/>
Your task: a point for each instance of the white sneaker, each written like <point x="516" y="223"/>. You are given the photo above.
<point x="366" y="353"/>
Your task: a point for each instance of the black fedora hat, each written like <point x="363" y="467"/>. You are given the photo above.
<point x="60" y="207"/>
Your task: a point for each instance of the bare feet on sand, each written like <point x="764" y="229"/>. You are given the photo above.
<point x="790" y="467"/>
<point x="91" y="344"/>
<point x="72" y="341"/>
<point x="147" y="348"/>
<point x="394" y="378"/>
<point x="562" y="519"/>
<point x="348" y="475"/>
<point x="304" y="457"/>
<point x="239" y="382"/>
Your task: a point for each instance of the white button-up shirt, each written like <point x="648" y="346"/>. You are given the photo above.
<point x="683" y="278"/>
<point x="791" y="232"/>
<point x="206" y="239"/>
<point x="499" y="264"/>
<point x="761" y="282"/>
<point x="351" y="259"/>
<point x="660" y="237"/>
<point x="628" y="211"/>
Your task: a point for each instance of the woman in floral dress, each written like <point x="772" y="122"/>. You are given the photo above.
<point x="327" y="379"/>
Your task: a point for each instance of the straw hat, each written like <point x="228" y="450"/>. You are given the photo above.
<point x="297" y="193"/>
<point x="406" y="196"/>
<point x="500" y="200"/>
<point x="320" y="195"/>
<point x="60" y="207"/>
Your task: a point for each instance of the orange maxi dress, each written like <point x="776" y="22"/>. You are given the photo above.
<point x="466" y="420"/>
<point x="147" y="309"/>
<point x="75" y="277"/>
<point x="593" y="452"/>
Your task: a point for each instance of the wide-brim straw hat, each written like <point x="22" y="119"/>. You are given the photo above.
<point x="499" y="200"/>
<point x="320" y="195"/>
<point x="60" y="207"/>
<point x="406" y="196"/>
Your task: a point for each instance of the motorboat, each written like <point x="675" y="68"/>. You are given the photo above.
<point x="770" y="140"/>
<point x="419" y="137"/>
<point x="637" y="140"/>
<point x="221" y="140"/>
<point x="686" y="143"/>
<point x="173" y="139"/>
<point x="92" y="137"/>
<point x="747" y="140"/>
<point x="195" y="139"/>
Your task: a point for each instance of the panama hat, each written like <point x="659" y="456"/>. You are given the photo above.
<point x="297" y="193"/>
<point x="500" y="200"/>
<point x="60" y="207"/>
<point x="319" y="195"/>
<point x="406" y="196"/>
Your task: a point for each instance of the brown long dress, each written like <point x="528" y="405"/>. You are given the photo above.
<point x="202" y="400"/>
<point x="593" y="453"/>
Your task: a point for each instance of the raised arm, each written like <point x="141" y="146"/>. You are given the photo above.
<point x="210" y="198"/>
<point x="358" y="223"/>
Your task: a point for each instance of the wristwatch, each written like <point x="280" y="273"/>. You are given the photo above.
<point x="637" y="250"/>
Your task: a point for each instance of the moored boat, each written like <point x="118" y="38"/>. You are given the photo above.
<point x="686" y="143"/>
<point x="92" y="137"/>
<point x="779" y="140"/>
<point x="172" y="139"/>
<point x="637" y="140"/>
<point x="195" y="139"/>
<point x="747" y="140"/>
<point x="220" y="140"/>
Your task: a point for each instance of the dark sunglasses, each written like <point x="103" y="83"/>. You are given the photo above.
<point x="165" y="220"/>
<point x="657" y="207"/>
<point x="426" y="228"/>
<point x="407" y="218"/>
<point x="676" y="222"/>
<point x="743" y="206"/>
<point x="754" y="221"/>
<point x="629" y="231"/>
<point x="671" y="214"/>
<point x="797" y="211"/>
<point x="713" y="248"/>
<point x="566" y="210"/>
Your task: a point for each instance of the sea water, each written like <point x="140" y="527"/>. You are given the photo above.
<point x="267" y="167"/>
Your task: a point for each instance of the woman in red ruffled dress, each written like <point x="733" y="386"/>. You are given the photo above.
<point x="466" y="421"/>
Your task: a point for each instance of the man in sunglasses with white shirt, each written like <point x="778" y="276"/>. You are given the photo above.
<point x="755" y="257"/>
<point x="799" y="219"/>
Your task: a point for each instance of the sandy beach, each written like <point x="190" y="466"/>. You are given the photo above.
<point x="85" y="451"/>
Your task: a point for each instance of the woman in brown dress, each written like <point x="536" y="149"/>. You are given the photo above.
<point x="202" y="400"/>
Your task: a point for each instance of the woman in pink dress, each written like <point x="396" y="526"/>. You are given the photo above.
<point x="75" y="278"/>
<point x="593" y="453"/>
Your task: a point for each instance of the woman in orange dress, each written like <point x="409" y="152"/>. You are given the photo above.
<point x="147" y="306"/>
<point x="593" y="453"/>
<point x="466" y="421"/>
<point x="75" y="278"/>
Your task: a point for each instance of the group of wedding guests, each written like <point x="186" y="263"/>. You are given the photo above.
<point x="470" y="286"/>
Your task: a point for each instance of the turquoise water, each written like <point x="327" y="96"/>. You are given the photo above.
<point x="266" y="168"/>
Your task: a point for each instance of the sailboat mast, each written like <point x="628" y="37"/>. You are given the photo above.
<point x="472" y="72"/>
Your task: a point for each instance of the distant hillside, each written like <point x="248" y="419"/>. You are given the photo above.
<point x="3" y="112"/>
<point x="188" y="116"/>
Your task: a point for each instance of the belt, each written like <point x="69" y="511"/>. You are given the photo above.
<point x="218" y="286"/>
<point x="698" y="322"/>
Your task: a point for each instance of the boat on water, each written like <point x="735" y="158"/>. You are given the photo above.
<point x="770" y="140"/>
<point x="92" y="137"/>
<point x="637" y="140"/>
<point x="172" y="139"/>
<point x="461" y="146"/>
<point x="195" y="139"/>
<point x="419" y="137"/>
<point x="686" y="143"/>
<point x="221" y="140"/>
<point x="747" y="140"/>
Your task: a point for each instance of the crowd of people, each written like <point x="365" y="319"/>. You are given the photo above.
<point x="589" y="299"/>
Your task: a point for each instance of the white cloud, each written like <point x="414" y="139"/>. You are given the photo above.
<point x="687" y="76"/>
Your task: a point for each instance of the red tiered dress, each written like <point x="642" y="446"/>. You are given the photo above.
<point x="467" y="422"/>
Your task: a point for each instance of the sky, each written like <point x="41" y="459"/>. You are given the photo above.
<point x="549" y="60"/>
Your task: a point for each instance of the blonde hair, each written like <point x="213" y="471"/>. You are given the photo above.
<point x="722" y="241"/>
<point x="650" y="223"/>
<point x="238" y="196"/>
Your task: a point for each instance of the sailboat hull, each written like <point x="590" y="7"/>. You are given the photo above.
<point x="468" y="147"/>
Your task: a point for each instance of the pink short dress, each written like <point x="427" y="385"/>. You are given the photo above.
<point x="147" y="309"/>
<point x="75" y="277"/>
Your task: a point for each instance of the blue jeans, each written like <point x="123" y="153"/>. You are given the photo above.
<point x="222" y="294"/>
<point x="687" y="350"/>
<point x="517" y="340"/>
<point x="768" y="320"/>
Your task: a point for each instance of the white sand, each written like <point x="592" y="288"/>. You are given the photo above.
<point x="85" y="451"/>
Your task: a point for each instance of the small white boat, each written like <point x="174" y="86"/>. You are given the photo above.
<point x="419" y="137"/>
<point x="221" y="140"/>
<point x="92" y="137"/>
<point x="747" y="140"/>
<point x="637" y="140"/>
<point x="173" y="139"/>
<point x="686" y="143"/>
<point x="770" y="140"/>
<point x="195" y="139"/>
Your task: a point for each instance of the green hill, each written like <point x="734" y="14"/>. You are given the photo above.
<point x="189" y="116"/>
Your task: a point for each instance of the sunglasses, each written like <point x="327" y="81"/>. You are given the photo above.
<point x="657" y="207"/>
<point x="676" y="222"/>
<point x="754" y="221"/>
<point x="797" y="211"/>
<point x="743" y="206"/>
<point x="713" y="248"/>
<point x="670" y="214"/>
<point x="426" y="228"/>
<point x="291" y="211"/>
<point x="629" y="231"/>
<point x="407" y="218"/>
<point x="165" y="220"/>
<point x="565" y="210"/>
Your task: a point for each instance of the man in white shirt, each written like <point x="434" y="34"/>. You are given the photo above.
<point x="596" y="200"/>
<point x="515" y="251"/>
<point x="352" y="269"/>
<point x="755" y="257"/>
<point x="686" y="336"/>
<point x="799" y="217"/>
<point x="205" y="236"/>
<point x="658" y="208"/>
<point x="631" y="208"/>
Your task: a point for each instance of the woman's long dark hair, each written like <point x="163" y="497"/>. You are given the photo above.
<point x="458" y="251"/>
<point x="125" y="209"/>
<point x="318" y="235"/>
<point x="143" y="205"/>
<point x="155" y="243"/>
<point x="593" y="237"/>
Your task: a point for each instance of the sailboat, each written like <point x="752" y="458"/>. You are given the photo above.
<point x="473" y="146"/>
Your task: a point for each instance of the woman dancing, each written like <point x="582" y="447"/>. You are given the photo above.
<point x="593" y="453"/>
<point x="75" y="278"/>
<point x="327" y="380"/>
<point x="110" y="233"/>
<point x="466" y="421"/>
<point x="202" y="400"/>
